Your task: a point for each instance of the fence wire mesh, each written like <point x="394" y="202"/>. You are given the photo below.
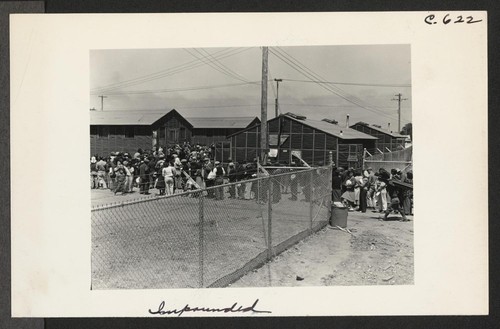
<point x="208" y="237"/>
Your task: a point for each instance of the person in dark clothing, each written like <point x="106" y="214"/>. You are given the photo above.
<point x="395" y="206"/>
<point x="240" y="177"/>
<point x="93" y="173"/>
<point x="231" y="174"/>
<point x="408" y="194"/>
<point x="219" y="175"/>
<point x="120" y="178"/>
<point x="363" y="193"/>
<point x="336" y="186"/>
<point x="144" y="171"/>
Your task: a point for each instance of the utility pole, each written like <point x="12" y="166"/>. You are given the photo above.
<point x="102" y="101"/>
<point x="399" y="99"/>
<point x="263" y="108"/>
<point x="277" y="96"/>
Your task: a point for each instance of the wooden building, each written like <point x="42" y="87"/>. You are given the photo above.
<point x="387" y="140"/>
<point x="127" y="131"/>
<point x="311" y="140"/>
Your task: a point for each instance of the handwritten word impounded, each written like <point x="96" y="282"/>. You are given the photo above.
<point x="187" y="308"/>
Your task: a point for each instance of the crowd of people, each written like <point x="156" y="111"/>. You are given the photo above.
<point x="170" y="170"/>
<point x="380" y="191"/>
<point x="185" y="167"/>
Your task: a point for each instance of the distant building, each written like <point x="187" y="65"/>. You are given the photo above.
<point x="127" y="131"/>
<point x="311" y="140"/>
<point x="387" y="140"/>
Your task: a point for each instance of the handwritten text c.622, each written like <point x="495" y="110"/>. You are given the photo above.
<point x="449" y="19"/>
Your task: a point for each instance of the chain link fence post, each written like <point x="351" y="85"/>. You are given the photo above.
<point x="311" y="197"/>
<point x="269" y="217"/>
<point x="201" y="238"/>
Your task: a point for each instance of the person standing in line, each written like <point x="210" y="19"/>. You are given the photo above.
<point x="178" y="167"/>
<point x="349" y="196"/>
<point x="219" y="180"/>
<point x="372" y="182"/>
<point x="101" y="173"/>
<point x="336" y="185"/>
<point x="128" y="177"/>
<point x="168" y="173"/>
<point x="363" y="192"/>
<point x="231" y="174"/>
<point x="184" y="168"/>
<point x="382" y="194"/>
<point x="144" y="176"/>
<point x="240" y="177"/>
<point x="408" y="194"/>
<point x="208" y="177"/>
<point x="93" y="173"/>
<point x="120" y="178"/>
<point x="358" y="182"/>
<point x="160" y="183"/>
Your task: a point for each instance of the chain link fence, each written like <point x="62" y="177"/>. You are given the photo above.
<point x="207" y="237"/>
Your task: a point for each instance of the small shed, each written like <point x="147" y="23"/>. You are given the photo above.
<point x="292" y="135"/>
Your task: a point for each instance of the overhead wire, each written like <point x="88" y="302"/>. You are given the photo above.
<point x="352" y="97"/>
<point x="156" y="74"/>
<point x="337" y="91"/>
<point x="154" y="91"/>
<point x="167" y="72"/>
<point x="352" y="83"/>
<point x="222" y="66"/>
<point x="308" y="73"/>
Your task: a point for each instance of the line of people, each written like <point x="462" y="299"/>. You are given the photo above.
<point x="169" y="172"/>
<point x="376" y="190"/>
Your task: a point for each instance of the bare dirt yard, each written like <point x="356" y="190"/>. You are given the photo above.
<point x="377" y="253"/>
<point x="161" y="243"/>
<point x="157" y="245"/>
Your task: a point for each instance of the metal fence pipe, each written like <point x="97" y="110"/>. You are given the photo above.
<point x="201" y="239"/>
<point x="269" y="217"/>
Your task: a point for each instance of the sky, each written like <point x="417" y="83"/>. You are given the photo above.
<point x="318" y="81"/>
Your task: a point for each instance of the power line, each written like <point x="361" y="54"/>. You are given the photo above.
<point x="296" y="65"/>
<point x="154" y="91"/>
<point x="167" y="72"/>
<point x="215" y="65"/>
<point x="224" y="67"/>
<point x="154" y="74"/>
<point x="336" y="90"/>
<point x="351" y="83"/>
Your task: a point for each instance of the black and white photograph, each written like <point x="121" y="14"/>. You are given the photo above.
<point x="248" y="164"/>
<point x="184" y="195"/>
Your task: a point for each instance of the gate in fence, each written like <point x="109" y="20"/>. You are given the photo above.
<point x="207" y="237"/>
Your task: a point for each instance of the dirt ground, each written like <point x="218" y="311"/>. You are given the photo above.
<point x="377" y="253"/>
<point x="156" y="244"/>
<point x="142" y="249"/>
